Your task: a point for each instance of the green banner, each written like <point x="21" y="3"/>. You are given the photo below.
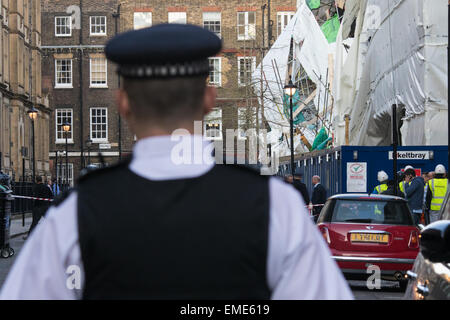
<point x="321" y="137"/>
<point x="313" y="4"/>
<point x="331" y="28"/>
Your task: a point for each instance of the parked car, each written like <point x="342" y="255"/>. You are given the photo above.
<point x="430" y="277"/>
<point x="366" y="230"/>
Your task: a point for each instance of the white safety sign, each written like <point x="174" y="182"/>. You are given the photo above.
<point x="357" y="177"/>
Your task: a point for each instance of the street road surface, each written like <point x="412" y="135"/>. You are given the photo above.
<point x="389" y="290"/>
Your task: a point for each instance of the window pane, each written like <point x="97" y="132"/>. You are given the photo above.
<point x="251" y="17"/>
<point x="142" y="20"/>
<point x="99" y="124"/>
<point x="63" y="26"/>
<point x="241" y="18"/>
<point x="177" y="17"/>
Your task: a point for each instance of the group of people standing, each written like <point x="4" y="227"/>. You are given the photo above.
<point x="318" y="195"/>
<point x="425" y="194"/>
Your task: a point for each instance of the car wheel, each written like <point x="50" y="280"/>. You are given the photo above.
<point x="5" y="253"/>
<point x="403" y="285"/>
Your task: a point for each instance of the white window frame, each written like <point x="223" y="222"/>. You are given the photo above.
<point x="281" y="23"/>
<point x="96" y="34"/>
<point x="98" y="85"/>
<point x="64" y="85"/>
<point x="98" y="140"/>
<point x="176" y="20"/>
<point x="69" y="18"/>
<point x="209" y="17"/>
<point x="142" y="16"/>
<point x="214" y="117"/>
<point x="60" y="167"/>
<point x="57" y="124"/>
<point x="249" y="29"/>
<point x="240" y="83"/>
<point x="219" y="70"/>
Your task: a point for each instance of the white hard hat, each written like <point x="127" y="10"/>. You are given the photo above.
<point x="440" y="169"/>
<point x="409" y="167"/>
<point x="382" y="176"/>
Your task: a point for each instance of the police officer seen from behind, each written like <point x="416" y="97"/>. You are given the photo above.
<point x="437" y="189"/>
<point x="170" y="223"/>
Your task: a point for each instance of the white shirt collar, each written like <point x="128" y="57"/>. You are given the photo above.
<point x="172" y="157"/>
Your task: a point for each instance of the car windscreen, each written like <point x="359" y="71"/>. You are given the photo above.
<point x="369" y="211"/>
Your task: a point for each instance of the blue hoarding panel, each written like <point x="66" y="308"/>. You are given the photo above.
<point x="331" y="165"/>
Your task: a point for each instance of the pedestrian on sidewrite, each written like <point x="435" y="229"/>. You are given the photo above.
<point x="318" y="198"/>
<point x="40" y="190"/>
<point x="300" y="186"/>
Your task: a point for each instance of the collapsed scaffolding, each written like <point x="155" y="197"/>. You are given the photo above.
<point x="347" y="87"/>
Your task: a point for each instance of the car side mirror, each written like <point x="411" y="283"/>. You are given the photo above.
<point x="435" y="242"/>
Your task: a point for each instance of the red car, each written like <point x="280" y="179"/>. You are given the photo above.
<point x="364" y="230"/>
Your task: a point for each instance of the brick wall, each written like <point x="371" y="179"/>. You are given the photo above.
<point x="92" y="47"/>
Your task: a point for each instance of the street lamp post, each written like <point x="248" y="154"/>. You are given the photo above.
<point x="290" y="89"/>
<point x="66" y="128"/>
<point x="33" y="113"/>
<point x="88" y="145"/>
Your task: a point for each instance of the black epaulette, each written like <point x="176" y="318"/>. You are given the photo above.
<point x="101" y="171"/>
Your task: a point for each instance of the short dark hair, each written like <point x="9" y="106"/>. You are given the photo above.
<point x="410" y="172"/>
<point x="38" y="179"/>
<point x="165" y="101"/>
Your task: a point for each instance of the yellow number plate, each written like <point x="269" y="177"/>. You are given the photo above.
<point x="368" y="237"/>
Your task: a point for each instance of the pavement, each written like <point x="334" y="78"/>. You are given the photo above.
<point x="16" y="242"/>
<point x="17" y="229"/>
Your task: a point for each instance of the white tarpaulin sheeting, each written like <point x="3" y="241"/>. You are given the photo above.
<point x="400" y="55"/>
<point x="311" y="51"/>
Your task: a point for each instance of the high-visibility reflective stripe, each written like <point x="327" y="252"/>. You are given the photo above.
<point x="381" y="188"/>
<point x="402" y="186"/>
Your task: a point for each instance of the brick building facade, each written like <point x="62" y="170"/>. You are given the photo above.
<point x="244" y="29"/>
<point x="20" y="91"/>
<point x="74" y="36"/>
<point x="81" y="85"/>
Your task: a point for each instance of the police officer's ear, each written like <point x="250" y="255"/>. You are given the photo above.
<point x="123" y="104"/>
<point x="209" y="99"/>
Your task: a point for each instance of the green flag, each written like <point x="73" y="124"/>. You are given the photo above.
<point x="313" y="4"/>
<point x="331" y="29"/>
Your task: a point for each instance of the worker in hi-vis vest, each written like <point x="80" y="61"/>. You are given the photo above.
<point x="401" y="181"/>
<point x="383" y="180"/>
<point x="437" y="188"/>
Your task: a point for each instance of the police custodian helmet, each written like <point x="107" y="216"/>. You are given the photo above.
<point x="164" y="51"/>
